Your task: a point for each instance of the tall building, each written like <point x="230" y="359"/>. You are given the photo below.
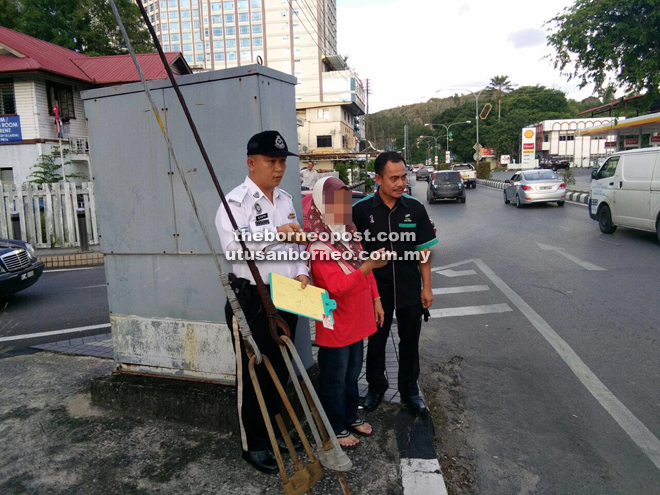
<point x="298" y="37"/>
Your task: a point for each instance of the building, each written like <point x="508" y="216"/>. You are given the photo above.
<point x="297" y="37"/>
<point x="34" y="77"/>
<point x="563" y="138"/>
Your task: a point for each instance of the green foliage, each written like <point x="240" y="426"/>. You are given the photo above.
<point x="371" y="165"/>
<point x="442" y="166"/>
<point x="47" y="168"/>
<point x="568" y="176"/>
<point x="598" y="38"/>
<point x="483" y="170"/>
<point x="342" y="169"/>
<point x="86" y="26"/>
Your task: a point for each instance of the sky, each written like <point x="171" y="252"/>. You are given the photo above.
<point x="414" y="50"/>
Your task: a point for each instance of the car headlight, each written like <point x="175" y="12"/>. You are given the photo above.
<point x="30" y="251"/>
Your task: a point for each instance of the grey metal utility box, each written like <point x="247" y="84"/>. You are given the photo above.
<point x="166" y="299"/>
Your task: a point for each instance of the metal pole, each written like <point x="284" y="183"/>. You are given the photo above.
<point x="62" y="160"/>
<point x="82" y="229"/>
<point x="476" y="115"/>
<point x="16" y="225"/>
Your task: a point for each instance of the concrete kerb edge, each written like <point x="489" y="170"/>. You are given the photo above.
<point x="72" y="260"/>
<point x="576" y="197"/>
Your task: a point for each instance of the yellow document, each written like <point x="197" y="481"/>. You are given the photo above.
<point x="311" y="302"/>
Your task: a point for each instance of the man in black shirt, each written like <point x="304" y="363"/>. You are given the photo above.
<point x="404" y="284"/>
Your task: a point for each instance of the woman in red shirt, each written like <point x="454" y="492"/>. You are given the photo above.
<point x="351" y="284"/>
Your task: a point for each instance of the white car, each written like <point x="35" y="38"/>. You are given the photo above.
<point x="625" y="191"/>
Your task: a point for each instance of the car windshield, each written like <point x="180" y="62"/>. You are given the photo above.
<point x="462" y="167"/>
<point x="447" y="177"/>
<point x="541" y="176"/>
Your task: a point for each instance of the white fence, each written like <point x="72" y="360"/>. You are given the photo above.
<point x="47" y="213"/>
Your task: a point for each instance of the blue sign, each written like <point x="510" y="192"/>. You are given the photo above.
<point x="10" y="129"/>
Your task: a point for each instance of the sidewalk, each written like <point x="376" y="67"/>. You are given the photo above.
<point x="57" y="442"/>
<point x="70" y="257"/>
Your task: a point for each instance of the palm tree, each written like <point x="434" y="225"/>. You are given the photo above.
<point x="502" y="85"/>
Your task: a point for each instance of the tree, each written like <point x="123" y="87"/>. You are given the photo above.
<point x="86" y="26"/>
<point x="609" y="38"/>
<point x="48" y="169"/>
<point x="501" y="84"/>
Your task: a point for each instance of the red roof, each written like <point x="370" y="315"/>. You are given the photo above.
<point x="31" y="54"/>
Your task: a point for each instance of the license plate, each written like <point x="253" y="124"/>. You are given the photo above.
<point x="545" y="187"/>
<point x="27" y="275"/>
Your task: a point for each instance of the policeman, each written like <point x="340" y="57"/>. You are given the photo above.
<point x="404" y="285"/>
<point x="259" y="206"/>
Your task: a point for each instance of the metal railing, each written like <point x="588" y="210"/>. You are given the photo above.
<point x="79" y="145"/>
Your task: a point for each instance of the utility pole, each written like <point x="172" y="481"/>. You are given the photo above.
<point x="405" y="142"/>
<point x="366" y="117"/>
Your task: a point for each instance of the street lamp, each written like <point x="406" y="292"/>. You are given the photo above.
<point x="447" y="129"/>
<point x="476" y="105"/>
<point x="436" y="143"/>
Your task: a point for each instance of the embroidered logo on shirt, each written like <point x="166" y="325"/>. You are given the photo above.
<point x="256" y="195"/>
<point x="407" y="218"/>
<point x="257" y="207"/>
<point x="292" y="216"/>
<point x="371" y="218"/>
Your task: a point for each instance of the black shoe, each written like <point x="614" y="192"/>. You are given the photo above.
<point x="416" y="404"/>
<point x="263" y="460"/>
<point x="372" y="400"/>
<point x="295" y="440"/>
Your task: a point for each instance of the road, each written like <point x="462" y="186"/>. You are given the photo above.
<point x="555" y="387"/>
<point x="60" y="300"/>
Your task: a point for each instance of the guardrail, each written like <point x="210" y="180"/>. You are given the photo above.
<point x="575" y="196"/>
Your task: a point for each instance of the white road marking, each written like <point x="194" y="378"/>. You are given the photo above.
<point x="470" y="310"/>
<point x="635" y="429"/>
<point x="73" y="269"/>
<point x="422" y="477"/>
<point x="54" y="332"/>
<point x="460" y="290"/>
<point x="456" y="273"/>
<point x="584" y="264"/>
<point x="453" y="265"/>
<point x="92" y="286"/>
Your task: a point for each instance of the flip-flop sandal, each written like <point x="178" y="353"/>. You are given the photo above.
<point x="346" y="434"/>
<point x="353" y="427"/>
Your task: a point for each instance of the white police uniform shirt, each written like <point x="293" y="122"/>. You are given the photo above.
<point x="254" y="212"/>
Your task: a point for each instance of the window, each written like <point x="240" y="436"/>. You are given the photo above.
<point x="216" y="19"/>
<point x="196" y="24"/>
<point x="242" y="4"/>
<point x="184" y="3"/>
<point x="257" y="29"/>
<point x="323" y="113"/>
<point x="63" y="95"/>
<point x="324" y="141"/>
<point x="219" y="56"/>
<point x="256" y="4"/>
<point x="185" y="25"/>
<point x="174" y="37"/>
<point x="245" y="42"/>
<point x="7" y="175"/>
<point x="165" y="38"/>
<point x="163" y="26"/>
<point x="185" y="14"/>
<point x="566" y="136"/>
<point x="173" y="4"/>
<point x="7" y="101"/>
<point x="187" y="47"/>
<point x="229" y="6"/>
<point x="230" y="31"/>
<point x="609" y="168"/>
<point x="231" y="43"/>
<point x="218" y="44"/>
<point x="243" y="17"/>
<point x="246" y="55"/>
<point x="163" y="5"/>
<point x="175" y="48"/>
<point x="200" y="57"/>
<point x="216" y="7"/>
<point x="258" y="41"/>
<point x="256" y="16"/>
<point x="229" y="18"/>
<point x="187" y="36"/>
<point x="217" y="32"/>
<point x="546" y="137"/>
<point x="198" y="36"/>
<point x="243" y="29"/>
<point x="231" y="55"/>
<point x="174" y="14"/>
<point x="199" y="47"/>
<point x="174" y="26"/>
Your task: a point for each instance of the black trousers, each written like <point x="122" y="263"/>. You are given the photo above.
<point x="409" y="321"/>
<point x="254" y="435"/>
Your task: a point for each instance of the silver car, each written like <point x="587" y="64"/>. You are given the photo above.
<point x="535" y="186"/>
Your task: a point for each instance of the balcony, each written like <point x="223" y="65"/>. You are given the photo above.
<point x="79" y="145"/>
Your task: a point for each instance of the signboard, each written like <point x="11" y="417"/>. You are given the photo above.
<point x="476" y="157"/>
<point x="505" y="159"/>
<point x="528" y="159"/>
<point x="487" y="152"/>
<point x="10" y="129"/>
<point x="610" y="144"/>
<point x="477" y="147"/>
<point x="436" y="159"/>
<point x="654" y="140"/>
<point x="631" y="142"/>
<point x="447" y="157"/>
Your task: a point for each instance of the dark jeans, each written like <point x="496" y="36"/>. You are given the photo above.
<point x="254" y="435"/>
<point x="409" y="321"/>
<point x="339" y="370"/>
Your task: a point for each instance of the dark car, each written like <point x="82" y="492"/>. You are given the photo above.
<point x="424" y="173"/>
<point x="554" y="162"/>
<point x="19" y="267"/>
<point x="446" y="184"/>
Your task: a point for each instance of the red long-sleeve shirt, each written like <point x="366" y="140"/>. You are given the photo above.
<point x="354" y="294"/>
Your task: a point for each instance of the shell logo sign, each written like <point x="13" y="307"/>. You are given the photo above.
<point x="529" y="134"/>
<point x="528" y="159"/>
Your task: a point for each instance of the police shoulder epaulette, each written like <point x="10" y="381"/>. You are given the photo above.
<point x="237" y="194"/>
<point x="282" y="191"/>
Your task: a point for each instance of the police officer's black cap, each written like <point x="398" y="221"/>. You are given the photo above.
<point x="269" y="143"/>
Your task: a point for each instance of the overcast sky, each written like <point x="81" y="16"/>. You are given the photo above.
<point x="409" y="49"/>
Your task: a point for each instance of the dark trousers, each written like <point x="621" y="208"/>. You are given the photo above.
<point x="409" y="321"/>
<point x="254" y="435"/>
<point x="339" y="370"/>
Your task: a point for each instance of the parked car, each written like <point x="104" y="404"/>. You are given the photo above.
<point x="554" y="162"/>
<point x="625" y="191"/>
<point x="19" y="267"/>
<point x="535" y="186"/>
<point x="445" y="184"/>
<point x="468" y="173"/>
<point x="424" y="173"/>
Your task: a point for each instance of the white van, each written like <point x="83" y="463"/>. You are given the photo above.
<point x="625" y="191"/>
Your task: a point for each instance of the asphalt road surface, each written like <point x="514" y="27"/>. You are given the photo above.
<point x="551" y="330"/>
<point x="60" y="300"/>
